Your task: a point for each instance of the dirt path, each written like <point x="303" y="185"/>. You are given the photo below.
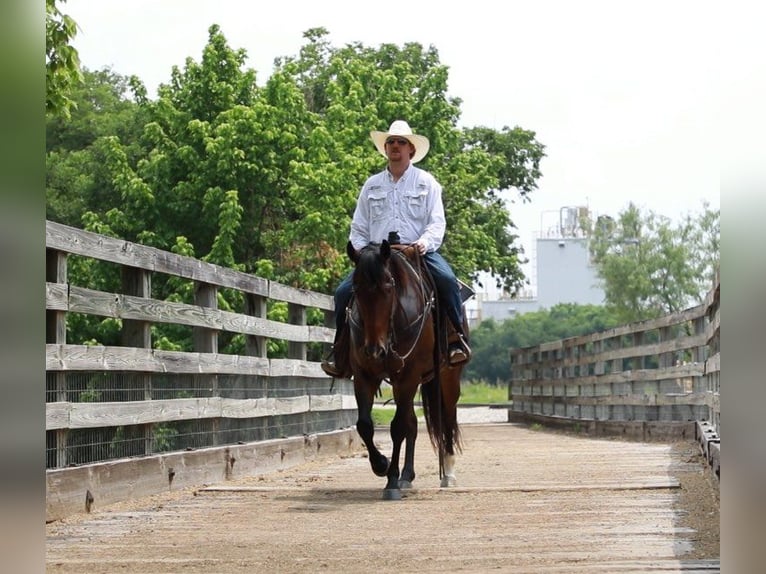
<point x="527" y="501"/>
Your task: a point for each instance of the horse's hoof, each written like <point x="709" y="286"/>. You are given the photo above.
<point x="392" y="494"/>
<point x="405" y="484"/>
<point x="381" y="468"/>
<point x="448" y="481"/>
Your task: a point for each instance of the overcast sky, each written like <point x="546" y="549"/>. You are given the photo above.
<point x="622" y="94"/>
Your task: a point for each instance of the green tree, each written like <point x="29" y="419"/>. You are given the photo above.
<point x="103" y="105"/>
<point x="265" y="179"/>
<point x="651" y="267"/>
<point x="62" y="62"/>
<point x="77" y="174"/>
<point x="491" y="341"/>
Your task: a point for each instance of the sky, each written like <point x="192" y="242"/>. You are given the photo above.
<point x="624" y="95"/>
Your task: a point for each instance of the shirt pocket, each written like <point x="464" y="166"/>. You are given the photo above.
<point x="415" y="203"/>
<point x="378" y="201"/>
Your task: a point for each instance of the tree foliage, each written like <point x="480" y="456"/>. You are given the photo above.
<point x="650" y="266"/>
<point x="265" y="178"/>
<point x="491" y="341"/>
<point x="78" y="176"/>
<point x="62" y="62"/>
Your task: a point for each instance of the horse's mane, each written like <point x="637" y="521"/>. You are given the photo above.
<point x="370" y="267"/>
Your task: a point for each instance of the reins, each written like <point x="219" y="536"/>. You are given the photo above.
<point x="427" y="302"/>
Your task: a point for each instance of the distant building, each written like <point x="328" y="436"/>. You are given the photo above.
<point x="563" y="272"/>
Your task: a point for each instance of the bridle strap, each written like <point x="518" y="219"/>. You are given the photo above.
<point x="421" y="319"/>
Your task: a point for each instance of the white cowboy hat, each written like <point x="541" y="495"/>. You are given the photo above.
<point x="402" y="129"/>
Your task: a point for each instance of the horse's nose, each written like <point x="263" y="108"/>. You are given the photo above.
<point x="375" y="352"/>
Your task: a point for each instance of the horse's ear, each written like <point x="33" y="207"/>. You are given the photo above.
<point x="352" y="254"/>
<point x="385" y="250"/>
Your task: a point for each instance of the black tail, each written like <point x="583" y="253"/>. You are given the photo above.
<point x="442" y="426"/>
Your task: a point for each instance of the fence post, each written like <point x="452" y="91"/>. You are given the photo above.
<point x="55" y="332"/>
<point x="296" y="315"/>
<point x="256" y="306"/>
<point x="638" y="363"/>
<point x="206" y="341"/>
<point x="138" y="283"/>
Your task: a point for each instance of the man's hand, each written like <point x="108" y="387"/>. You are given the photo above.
<point x="421" y="246"/>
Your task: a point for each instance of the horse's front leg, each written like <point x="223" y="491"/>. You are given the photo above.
<point x="404" y="428"/>
<point x="364" y="390"/>
<point x="408" y="471"/>
<point x="398" y="433"/>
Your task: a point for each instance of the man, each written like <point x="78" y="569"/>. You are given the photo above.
<point x="406" y="200"/>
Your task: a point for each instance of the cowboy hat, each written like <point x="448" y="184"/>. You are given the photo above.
<point x="402" y="129"/>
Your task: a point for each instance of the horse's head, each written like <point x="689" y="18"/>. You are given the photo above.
<point x="375" y="294"/>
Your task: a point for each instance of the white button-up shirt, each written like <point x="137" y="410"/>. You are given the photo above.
<point x="411" y="206"/>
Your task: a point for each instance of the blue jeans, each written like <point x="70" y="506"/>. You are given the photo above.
<point x="446" y="286"/>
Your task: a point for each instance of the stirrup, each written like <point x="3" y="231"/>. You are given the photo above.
<point x="459" y="352"/>
<point x="331" y="369"/>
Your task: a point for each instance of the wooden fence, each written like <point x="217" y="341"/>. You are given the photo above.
<point x="651" y="379"/>
<point x="197" y="412"/>
<point x="130" y="419"/>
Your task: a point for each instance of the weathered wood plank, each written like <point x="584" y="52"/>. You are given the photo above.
<point x="66" y="415"/>
<point x="126" y="479"/>
<point x="327" y="402"/>
<point x="99" y="358"/>
<point x="640" y="326"/>
<point x="56" y="296"/>
<point x="672" y="345"/>
<point x="656" y="399"/>
<point x="300" y="296"/>
<point x="80" y="242"/>
<point x="713" y="363"/>
<point x="92" y="302"/>
<point x="640" y="375"/>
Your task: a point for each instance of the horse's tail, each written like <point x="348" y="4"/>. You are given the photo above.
<point x="439" y="398"/>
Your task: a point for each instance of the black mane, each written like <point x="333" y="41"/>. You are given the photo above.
<point x="370" y="265"/>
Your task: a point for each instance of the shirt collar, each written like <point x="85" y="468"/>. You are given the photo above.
<point x="406" y="173"/>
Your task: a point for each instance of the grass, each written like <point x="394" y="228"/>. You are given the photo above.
<point x="470" y="393"/>
<point x="382" y="417"/>
<point x="483" y="393"/>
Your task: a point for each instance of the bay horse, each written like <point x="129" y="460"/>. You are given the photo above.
<point x="392" y="323"/>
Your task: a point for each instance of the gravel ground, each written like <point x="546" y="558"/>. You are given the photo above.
<point x="701" y="501"/>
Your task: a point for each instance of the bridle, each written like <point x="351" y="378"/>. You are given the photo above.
<point x="418" y="322"/>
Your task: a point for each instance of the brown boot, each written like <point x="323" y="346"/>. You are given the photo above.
<point x="336" y="363"/>
<point x="330" y="367"/>
<point x="459" y="351"/>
